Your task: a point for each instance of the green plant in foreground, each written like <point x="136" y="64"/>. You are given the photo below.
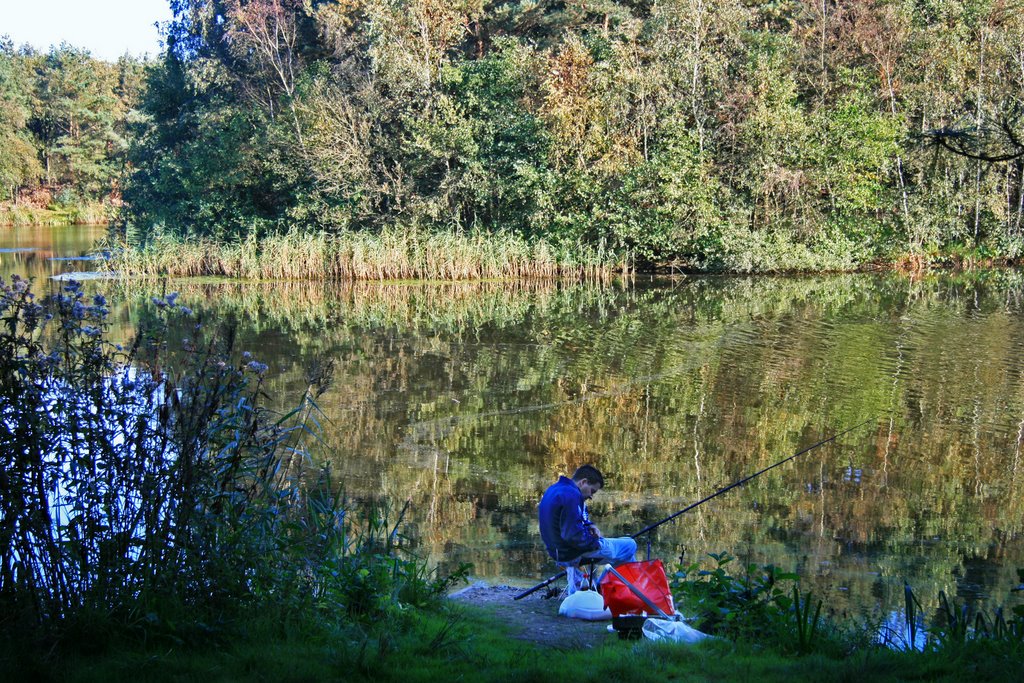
<point x="147" y="492"/>
<point x="751" y="602"/>
<point x="806" y="624"/>
<point x="375" y="572"/>
<point x="956" y="625"/>
<point x="912" y="613"/>
<point x="759" y="605"/>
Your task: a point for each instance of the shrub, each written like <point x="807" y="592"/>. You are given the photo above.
<point x="749" y="603"/>
<point x="761" y="604"/>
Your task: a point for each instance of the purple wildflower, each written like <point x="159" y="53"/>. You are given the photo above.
<point x="257" y="367"/>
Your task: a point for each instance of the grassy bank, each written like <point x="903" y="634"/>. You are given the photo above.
<point x="388" y="255"/>
<point x="93" y="214"/>
<point x="474" y="644"/>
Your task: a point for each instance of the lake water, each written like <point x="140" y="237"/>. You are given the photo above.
<point x="469" y="399"/>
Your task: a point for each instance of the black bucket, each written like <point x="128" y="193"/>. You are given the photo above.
<point x="629" y="626"/>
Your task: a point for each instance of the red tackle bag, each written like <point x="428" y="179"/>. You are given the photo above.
<point x="647" y="577"/>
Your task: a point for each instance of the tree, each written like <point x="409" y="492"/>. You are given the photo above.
<point x="263" y="35"/>
<point x="18" y="161"/>
<point x="75" y="118"/>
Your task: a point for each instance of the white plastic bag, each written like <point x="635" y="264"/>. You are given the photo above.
<point x="675" y="631"/>
<point x="587" y="605"/>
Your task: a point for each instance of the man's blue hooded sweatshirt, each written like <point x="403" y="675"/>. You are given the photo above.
<point x="564" y="526"/>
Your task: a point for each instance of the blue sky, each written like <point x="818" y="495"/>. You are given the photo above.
<point x="107" y="28"/>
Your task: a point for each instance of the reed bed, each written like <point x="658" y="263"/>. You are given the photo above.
<point x="383" y="256"/>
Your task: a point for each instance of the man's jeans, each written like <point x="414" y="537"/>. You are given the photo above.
<point x="612" y="551"/>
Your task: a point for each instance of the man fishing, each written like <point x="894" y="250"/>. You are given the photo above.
<point x="569" y="535"/>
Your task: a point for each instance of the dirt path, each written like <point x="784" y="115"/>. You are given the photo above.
<point x="535" y="618"/>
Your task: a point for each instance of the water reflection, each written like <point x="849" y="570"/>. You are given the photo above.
<point x="470" y="399"/>
<point x="42" y="252"/>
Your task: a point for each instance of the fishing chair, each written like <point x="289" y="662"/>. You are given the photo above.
<point x="589" y="581"/>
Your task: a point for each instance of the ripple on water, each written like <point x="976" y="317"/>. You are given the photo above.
<point x="87" y="258"/>
<point x="82" y="275"/>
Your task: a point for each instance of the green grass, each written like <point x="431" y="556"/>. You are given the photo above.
<point x="471" y="644"/>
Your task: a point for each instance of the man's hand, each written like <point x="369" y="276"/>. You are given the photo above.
<point x="596" y="531"/>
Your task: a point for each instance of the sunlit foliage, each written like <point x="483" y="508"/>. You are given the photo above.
<point x="705" y="134"/>
<point x="63" y="125"/>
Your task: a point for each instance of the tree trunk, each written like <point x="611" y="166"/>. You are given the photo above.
<point x="977" y="117"/>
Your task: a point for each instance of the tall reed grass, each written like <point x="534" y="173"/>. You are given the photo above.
<point x="388" y="255"/>
<point x="955" y="625"/>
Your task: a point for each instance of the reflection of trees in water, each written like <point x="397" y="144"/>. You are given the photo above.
<point x="27" y="250"/>
<point x="471" y="398"/>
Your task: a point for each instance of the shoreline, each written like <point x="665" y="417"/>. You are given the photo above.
<point x="20" y="216"/>
<point x="394" y="256"/>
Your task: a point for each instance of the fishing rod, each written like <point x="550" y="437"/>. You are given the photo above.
<point x="651" y="527"/>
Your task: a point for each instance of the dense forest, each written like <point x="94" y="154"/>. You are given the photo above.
<point x="706" y="134"/>
<point x="64" y="126"/>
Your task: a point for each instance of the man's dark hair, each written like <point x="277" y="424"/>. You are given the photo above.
<point x="590" y="473"/>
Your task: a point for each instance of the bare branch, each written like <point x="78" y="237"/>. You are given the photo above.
<point x="992" y="144"/>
